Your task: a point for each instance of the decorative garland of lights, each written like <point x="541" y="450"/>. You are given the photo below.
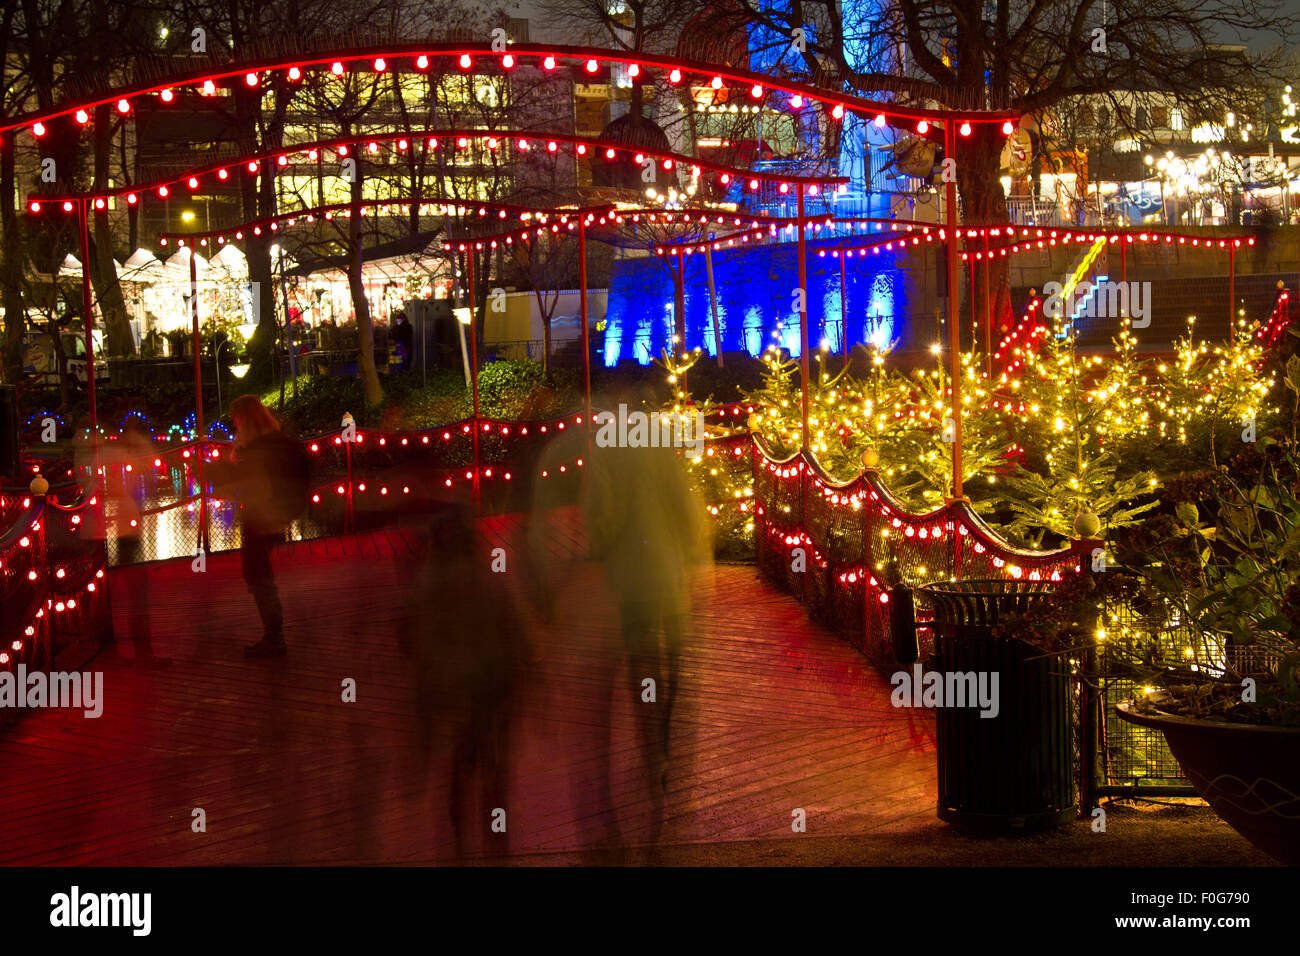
<point x="1045" y="238"/>
<point x="342" y="146"/>
<point x="327" y="213"/>
<point x="56" y="602"/>
<point x="891" y="518"/>
<point x="1276" y="323"/>
<point x="418" y="58"/>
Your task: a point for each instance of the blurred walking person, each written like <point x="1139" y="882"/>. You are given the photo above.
<point x="646" y="524"/>
<point x="269" y="474"/>
<point x="128" y="483"/>
<point x="470" y="655"/>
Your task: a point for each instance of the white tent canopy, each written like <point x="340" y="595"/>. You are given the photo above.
<point x="232" y="261"/>
<point x="177" y="267"/>
<point x="141" y="266"/>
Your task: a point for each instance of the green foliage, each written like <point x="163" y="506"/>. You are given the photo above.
<point x="412" y="400"/>
<point x="1047" y="504"/>
<point x="1234" y="586"/>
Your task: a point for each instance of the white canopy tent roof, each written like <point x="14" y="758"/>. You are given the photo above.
<point x="141" y="266"/>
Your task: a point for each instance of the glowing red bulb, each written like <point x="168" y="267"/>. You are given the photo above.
<point x="838" y="111"/>
<point x="964" y="129"/>
<point x="756" y="91"/>
<point x="208" y="89"/>
<point x="634" y="71"/>
<point x="35" y="207"/>
<point x="923" y="127"/>
<point x="716" y="82"/>
<point x="465" y="61"/>
<point x="252" y="167"/>
<point x="548" y="63"/>
<point x="82" y="116"/>
<point x="67" y="207"/>
<point x="675" y="76"/>
<point x="1007" y="128"/>
<point x="507" y="62"/>
<point x="609" y="154"/>
<point x="592" y="66"/>
<point x="880" y="120"/>
<point x="38" y="129"/>
<point x="422" y="63"/>
<point x="380" y="65"/>
<point x="223" y="174"/>
<point x="194" y="183"/>
<point x="551" y="146"/>
<point x="295" y="73"/>
<point x="250" y="79"/>
<point x="336" y="68"/>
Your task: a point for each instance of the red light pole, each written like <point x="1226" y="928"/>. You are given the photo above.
<point x="954" y="331"/>
<point x="803" y="319"/>
<point x="582" y="308"/>
<point x="473" y="360"/>
<point x="198" y="397"/>
<point x="82" y="216"/>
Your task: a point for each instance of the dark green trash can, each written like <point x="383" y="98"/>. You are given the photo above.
<point x="1013" y="771"/>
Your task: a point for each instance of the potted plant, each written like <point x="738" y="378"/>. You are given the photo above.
<point x="1230" y="708"/>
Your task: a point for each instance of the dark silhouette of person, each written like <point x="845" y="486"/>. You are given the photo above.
<point x="268" y="473"/>
<point x="403" y="338"/>
<point x="470" y="654"/>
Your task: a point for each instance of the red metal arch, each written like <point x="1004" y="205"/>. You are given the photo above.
<point x="420" y="56"/>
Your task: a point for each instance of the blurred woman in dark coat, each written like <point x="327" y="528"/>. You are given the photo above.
<point x="470" y="655"/>
<point x="268" y="472"/>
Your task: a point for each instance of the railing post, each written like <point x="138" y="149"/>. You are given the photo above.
<point x="1090" y="702"/>
<point x="349" y="519"/>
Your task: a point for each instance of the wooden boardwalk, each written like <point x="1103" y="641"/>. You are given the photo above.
<point x="777" y="715"/>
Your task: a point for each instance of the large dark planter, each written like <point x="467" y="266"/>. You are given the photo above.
<point x="1249" y="774"/>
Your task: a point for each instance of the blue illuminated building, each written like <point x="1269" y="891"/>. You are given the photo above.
<point x="754" y="283"/>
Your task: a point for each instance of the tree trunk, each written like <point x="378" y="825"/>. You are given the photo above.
<point x="366" y="370"/>
<point x="984" y="205"/>
<point x="108" y="290"/>
<point x="545" y="315"/>
<point x="258" y="195"/>
<point x="11" y="266"/>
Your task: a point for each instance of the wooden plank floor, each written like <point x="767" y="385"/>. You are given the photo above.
<point x="775" y="714"/>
